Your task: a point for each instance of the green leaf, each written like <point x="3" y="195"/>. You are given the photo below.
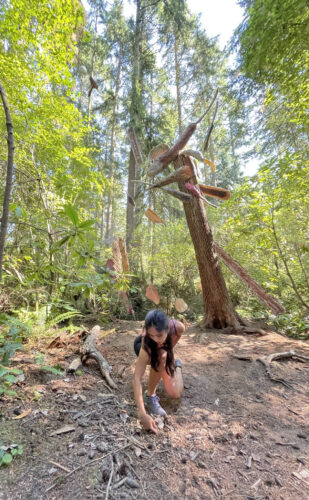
<point x="16" y="371"/>
<point x="3" y="371"/>
<point x="9" y="378"/>
<point x="71" y="213"/>
<point x="10" y="393"/>
<point x="86" y="224"/>
<point x="7" y="459"/>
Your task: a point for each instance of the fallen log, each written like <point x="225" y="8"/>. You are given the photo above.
<point x="88" y="350"/>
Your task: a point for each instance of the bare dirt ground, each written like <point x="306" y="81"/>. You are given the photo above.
<point x="235" y="434"/>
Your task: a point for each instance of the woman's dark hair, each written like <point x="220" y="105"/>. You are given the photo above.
<point x="160" y="321"/>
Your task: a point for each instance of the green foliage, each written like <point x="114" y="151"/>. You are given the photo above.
<point x="7" y="453"/>
<point x="293" y="324"/>
<point x="55" y="370"/>
<point x="60" y="318"/>
<point x="12" y="333"/>
<point x="265" y="229"/>
<point x="274" y="51"/>
<point x="8" y="377"/>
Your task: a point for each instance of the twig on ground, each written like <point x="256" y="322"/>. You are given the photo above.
<point x="60" y="466"/>
<point x="120" y="483"/>
<point x="110" y="479"/>
<point x="293" y="445"/>
<point x="89" y="463"/>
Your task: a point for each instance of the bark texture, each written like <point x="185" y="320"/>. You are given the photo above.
<point x="9" y="177"/>
<point x="219" y="311"/>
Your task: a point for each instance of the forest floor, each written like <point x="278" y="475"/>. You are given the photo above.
<point x="235" y="433"/>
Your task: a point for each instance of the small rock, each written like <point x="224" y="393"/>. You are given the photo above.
<point x="80" y="437"/>
<point x="52" y="470"/>
<point x="131" y="483"/>
<point x="83" y="423"/>
<point x="202" y="465"/>
<point x="91" y="454"/>
<point x="102" y="447"/>
<point x="81" y="452"/>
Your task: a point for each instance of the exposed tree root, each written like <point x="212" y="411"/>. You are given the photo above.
<point x="88" y="350"/>
<point x="225" y="323"/>
<point x="266" y="362"/>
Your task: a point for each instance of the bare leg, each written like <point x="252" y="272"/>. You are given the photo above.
<point x="173" y="385"/>
<point x="154" y="379"/>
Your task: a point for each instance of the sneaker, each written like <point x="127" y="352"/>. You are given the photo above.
<point x="153" y="406"/>
<point x="178" y="363"/>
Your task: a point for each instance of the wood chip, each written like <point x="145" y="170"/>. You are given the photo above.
<point x="63" y="430"/>
<point x="22" y="415"/>
<point x="255" y="485"/>
<point x="152" y="294"/>
<point x="180" y="305"/>
<point x="137" y="451"/>
<point x="153" y="216"/>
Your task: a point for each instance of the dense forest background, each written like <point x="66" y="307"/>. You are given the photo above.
<point x="76" y="79"/>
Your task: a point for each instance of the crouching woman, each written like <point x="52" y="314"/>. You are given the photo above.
<point x="155" y="348"/>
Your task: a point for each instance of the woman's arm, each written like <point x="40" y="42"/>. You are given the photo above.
<point x="140" y="367"/>
<point x="179" y="329"/>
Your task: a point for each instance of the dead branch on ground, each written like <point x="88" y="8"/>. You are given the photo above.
<point x="88" y="350"/>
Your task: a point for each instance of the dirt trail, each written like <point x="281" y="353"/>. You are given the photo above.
<point x="234" y="434"/>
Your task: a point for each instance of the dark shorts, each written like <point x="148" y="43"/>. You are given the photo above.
<point x="137" y="344"/>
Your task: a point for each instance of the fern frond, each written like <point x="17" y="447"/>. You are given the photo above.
<point x="63" y="317"/>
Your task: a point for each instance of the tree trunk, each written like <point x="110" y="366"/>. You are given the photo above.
<point x="9" y="177"/>
<point x="177" y="82"/>
<point x="135" y="118"/>
<point x="219" y="311"/>
<point x="130" y="208"/>
<point x="110" y="202"/>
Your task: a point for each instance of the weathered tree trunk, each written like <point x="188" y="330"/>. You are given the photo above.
<point x="219" y="311"/>
<point x="111" y="194"/>
<point x="9" y="177"/>
<point x="177" y="81"/>
<point x="135" y="117"/>
<point x="130" y="208"/>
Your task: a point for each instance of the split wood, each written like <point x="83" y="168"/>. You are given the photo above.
<point x="88" y="350"/>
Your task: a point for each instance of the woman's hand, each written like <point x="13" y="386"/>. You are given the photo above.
<point x="148" y="423"/>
